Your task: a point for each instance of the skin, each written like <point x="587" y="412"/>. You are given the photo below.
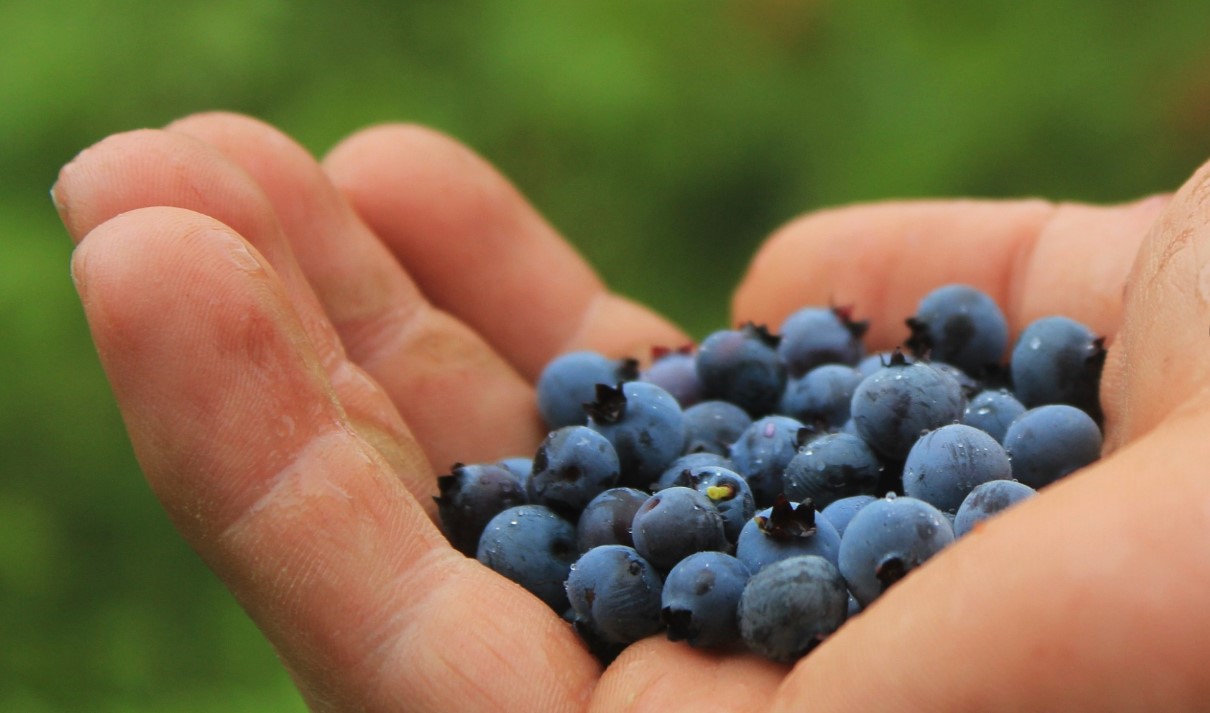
<point x="299" y="348"/>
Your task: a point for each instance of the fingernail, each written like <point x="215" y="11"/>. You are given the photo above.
<point x="77" y="273"/>
<point x="59" y="203"/>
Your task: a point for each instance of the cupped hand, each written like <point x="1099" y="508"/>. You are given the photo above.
<point x="298" y="349"/>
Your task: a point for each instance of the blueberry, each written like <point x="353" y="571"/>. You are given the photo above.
<point x="787" y="608"/>
<point x="968" y="384"/>
<point x="831" y="467"/>
<point x="959" y="325"/>
<point x="569" y="381"/>
<point x="607" y="518"/>
<point x="892" y="407"/>
<point x="615" y="594"/>
<point x="786" y="530"/>
<point x="874" y="362"/>
<point x="841" y="512"/>
<point x="991" y="411"/>
<point x="675" y="371"/>
<point x="820" y="335"/>
<point x="520" y="466"/>
<point x="886" y="540"/>
<point x="987" y="500"/>
<point x="742" y="366"/>
<point x="946" y="464"/>
<point x="1058" y="361"/>
<point x="470" y="496"/>
<point x="822" y="396"/>
<point x="675" y="473"/>
<point x="701" y="599"/>
<point x="854" y="606"/>
<point x="645" y="425"/>
<point x="712" y="426"/>
<point x="534" y="547"/>
<point x="673" y="524"/>
<point x="762" y="453"/>
<point x="1049" y="442"/>
<point x="730" y="494"/>
<point x="803" y="425"/>
<point x="573" y="465"/>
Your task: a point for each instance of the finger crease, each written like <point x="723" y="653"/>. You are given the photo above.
<point x="380" y="335"/>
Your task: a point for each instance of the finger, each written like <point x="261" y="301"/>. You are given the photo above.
<point x="1087" y="597"/>
<point x="1159" y="360"/>
<point x="478" y="250"/>
<point x="145" y="168"/>
<point x="658" y="675"/>
<point x="137" y="169"/>
<point x="1035" y="259"/>
<point x="451" y="388"/>
<point x="161" y="168"/>
<point x="238" y="430"/>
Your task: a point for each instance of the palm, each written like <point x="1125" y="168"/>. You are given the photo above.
<point x="243" y="380"/>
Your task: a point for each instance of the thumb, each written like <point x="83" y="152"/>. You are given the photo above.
<point x="1160" y="363"/>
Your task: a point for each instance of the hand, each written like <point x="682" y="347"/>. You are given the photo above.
<point x="293" y="345"/>
<point x="1086" y="597"/>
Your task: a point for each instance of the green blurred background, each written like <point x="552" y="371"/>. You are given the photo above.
<point x="664" y="139"/>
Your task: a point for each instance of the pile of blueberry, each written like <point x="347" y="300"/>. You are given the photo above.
<point x="761" y="489"/>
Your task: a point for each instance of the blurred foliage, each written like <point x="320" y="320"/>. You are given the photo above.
<point x="664" y="139"/>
